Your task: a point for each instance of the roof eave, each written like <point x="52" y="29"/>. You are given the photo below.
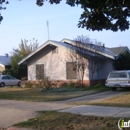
<point x="55" y="44"/>
<point x="37" y="50"/>
<point x="31" y="54"/>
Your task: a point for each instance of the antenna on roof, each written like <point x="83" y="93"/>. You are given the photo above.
<point x="48" y="29"/>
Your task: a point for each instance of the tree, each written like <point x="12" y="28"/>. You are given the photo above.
<point x="2" y="2"/>
<point x="123" y="62"/>
<point x="77" y="56"/>
<point x="18" y="54"/>
<point x="99" y="14"/>
<point x="84" y="54"/>
<point x="24" y="49"/>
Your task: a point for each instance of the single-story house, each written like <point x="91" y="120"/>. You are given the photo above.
<point x="4" y="63"/>
<point x="49" y="60"/>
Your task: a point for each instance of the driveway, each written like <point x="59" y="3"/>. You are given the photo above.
<point x="12" y="112"/>
<point x="97" y="96"/>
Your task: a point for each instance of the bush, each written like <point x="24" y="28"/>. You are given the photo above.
<point x="28" y="85"/>
<point x="24" y="79"/>
<point x="45" y="83"/>
<point x="72" y="85"/>
<point x="99" y="85"/>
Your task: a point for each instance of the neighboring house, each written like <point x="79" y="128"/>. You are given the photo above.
<point x="4" y="63"/>
<point x="119" y="50"/>
<point x="49" y="60"/>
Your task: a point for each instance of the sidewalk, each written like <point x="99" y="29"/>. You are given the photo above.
<point x="99" y="111"/>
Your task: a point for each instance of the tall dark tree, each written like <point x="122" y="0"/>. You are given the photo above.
<point x="20" y="71"/>
<point x="100" y="14"/>
<point x="97" y="14"/>
<point x="123" y="62"/>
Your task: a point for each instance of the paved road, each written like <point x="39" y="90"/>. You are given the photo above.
<point x="12" y="112"/>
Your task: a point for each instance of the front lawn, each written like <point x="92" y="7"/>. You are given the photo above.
<point x="65" y="121"/>
<point x="35" y="94"/>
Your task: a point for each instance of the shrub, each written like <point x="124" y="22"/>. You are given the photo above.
<point x="71" y="85"/>
<point x="24" y="79"/>
<point x="28" y="85"/>
<point x="45" y="83"/>
<point x="63" y="84"/>
<point x="99" y="85"/>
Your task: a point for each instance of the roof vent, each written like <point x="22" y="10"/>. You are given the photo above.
<point x="7" y="55"/>
<point x="101" y="44"/>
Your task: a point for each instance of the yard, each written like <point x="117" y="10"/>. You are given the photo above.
<point x="65" y="121"/>
<point x="52" y="120"/>
<point x="39" y="94"/>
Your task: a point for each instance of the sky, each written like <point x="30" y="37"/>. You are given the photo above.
<point x="25" y="20"/>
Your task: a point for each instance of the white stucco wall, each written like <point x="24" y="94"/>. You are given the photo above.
<point x="54" y="64"/>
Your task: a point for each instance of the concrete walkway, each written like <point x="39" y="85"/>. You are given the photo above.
<point x="99" y="96"/>
<point x="99" y="111"/>
<point x="12" y="112"/>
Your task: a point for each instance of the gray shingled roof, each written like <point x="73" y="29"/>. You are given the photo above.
<point x="117" y="50"/>
<point x="95" y="47"/>
<point x="106" y="52"/>
<point x="5" y="60"/>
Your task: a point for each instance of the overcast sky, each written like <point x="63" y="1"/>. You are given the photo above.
<point x="25" y="20"/>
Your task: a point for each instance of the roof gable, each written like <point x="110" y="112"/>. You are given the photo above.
<point x="49" y="42"/>
<point x="119" y="50"/>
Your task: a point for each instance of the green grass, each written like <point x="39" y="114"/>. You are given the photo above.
<point x="65" y="121"/>
<point x="35" y="94"/>
<point x="99" y="87"/>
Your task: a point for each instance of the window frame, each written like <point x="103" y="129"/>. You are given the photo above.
<point x="39" y="75"/>
<point x="68" y="72"/>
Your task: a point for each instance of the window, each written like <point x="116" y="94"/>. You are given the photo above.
<point x="39" y="71"/>
<point x="5" y="77"/>
<point x="118" y="75"/>
<point x="11" y="77"/>
<point x="54" y="50"/>
<point x="70" y="71"/>
<point x="129" y="75"/>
